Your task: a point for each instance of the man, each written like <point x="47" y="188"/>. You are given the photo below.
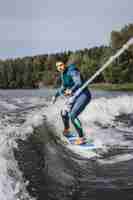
<point x="71" y="82"/>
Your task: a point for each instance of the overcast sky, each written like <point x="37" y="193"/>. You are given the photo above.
<point x="31" y="27"/>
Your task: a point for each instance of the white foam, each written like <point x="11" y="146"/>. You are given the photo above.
<point x="34" y="119"/>
<point x="12" y="185"/>
<point x="82" y="152"/>
<point x="8" y="106"/>
<point x="102" y="111"/>
<point x="116" y="159"/>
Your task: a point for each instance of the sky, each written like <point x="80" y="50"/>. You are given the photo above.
<point x="33" y="27"/>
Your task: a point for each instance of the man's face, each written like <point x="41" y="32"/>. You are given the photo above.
<point x="60" y="67"/>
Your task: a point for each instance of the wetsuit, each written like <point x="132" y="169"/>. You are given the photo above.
<point x="72" y="79"/>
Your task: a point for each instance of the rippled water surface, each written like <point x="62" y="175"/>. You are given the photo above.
<point x="37" y="163"/>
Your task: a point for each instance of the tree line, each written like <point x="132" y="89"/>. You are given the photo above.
<point x="29" y="72"/>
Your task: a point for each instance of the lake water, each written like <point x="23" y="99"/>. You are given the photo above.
<point x="60" y="171"/>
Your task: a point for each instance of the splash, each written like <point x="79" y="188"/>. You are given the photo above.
<point x="98" y="123"/>
<point x="98" y="120"/>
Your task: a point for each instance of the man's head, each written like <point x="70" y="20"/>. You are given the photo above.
<point x="60" y="66"/>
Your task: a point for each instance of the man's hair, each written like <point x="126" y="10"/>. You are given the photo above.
<point x="59" y="63"/>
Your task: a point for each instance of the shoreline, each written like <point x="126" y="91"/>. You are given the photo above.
<point x="127" y="87"/>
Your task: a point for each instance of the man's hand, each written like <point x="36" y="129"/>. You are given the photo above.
<point x="68" y="92"/>
<point x="53" y="100"/>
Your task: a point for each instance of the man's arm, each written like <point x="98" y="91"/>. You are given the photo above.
<point x="59" y="92"/>
<point x="76" y="79"/>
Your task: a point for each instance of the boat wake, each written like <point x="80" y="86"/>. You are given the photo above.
<point x="109" y="121"/>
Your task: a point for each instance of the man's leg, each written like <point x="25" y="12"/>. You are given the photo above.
<point x="79" y="105"/>
<point x="65" y="119"/>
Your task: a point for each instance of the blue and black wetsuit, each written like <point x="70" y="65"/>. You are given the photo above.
<point x="72" y="79"/>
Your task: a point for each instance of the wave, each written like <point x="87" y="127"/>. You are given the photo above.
<point x="64" y="172"/>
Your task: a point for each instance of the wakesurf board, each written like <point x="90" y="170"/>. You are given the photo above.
<point x="88" y="145"/>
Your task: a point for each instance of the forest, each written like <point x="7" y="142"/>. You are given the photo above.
<point x="40" y="70"/>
